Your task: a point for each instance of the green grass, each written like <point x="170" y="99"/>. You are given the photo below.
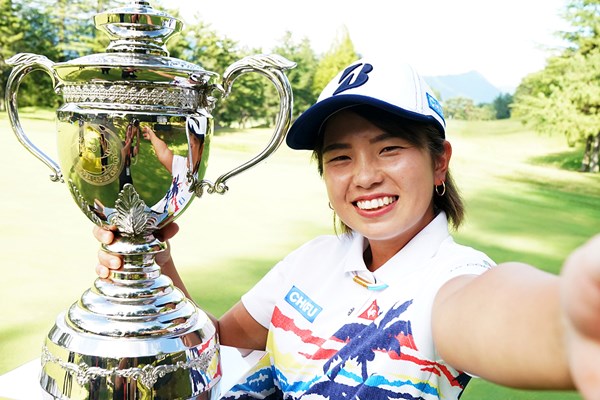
<point x="525" y="201"/>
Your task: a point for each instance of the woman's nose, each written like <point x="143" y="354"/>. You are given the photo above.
<point x="367" y="173"/>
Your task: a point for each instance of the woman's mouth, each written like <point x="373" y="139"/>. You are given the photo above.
<point x="374" y="204"/>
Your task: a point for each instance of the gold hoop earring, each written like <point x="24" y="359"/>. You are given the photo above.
<point x="329" y="204"/>
<point x="442" y="191"/>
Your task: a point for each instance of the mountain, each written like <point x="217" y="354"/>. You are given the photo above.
<point x="471" y="84"/>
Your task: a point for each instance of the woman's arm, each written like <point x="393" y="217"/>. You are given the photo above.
<point x="521" y="327"/>
<point x="236" y="328"/>
<point x="163" y="153"/>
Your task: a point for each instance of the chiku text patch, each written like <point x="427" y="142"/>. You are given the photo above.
<point x="303" y="304"/>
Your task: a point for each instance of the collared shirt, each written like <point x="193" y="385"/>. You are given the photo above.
<point x="337" y="330"/>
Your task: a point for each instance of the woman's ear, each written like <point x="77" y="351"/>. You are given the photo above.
<point x="442" y="162"/>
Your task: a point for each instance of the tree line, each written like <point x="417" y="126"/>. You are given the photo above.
<point x="63" y="30"/>
<point x="563" y="98"/>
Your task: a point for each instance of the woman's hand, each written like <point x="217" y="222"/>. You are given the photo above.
<point x="580" y="298"/>
<point x="148" y="133"/>
<point x="108" y="262"/>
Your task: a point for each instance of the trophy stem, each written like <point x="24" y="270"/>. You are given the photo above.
<point x="133" y="333"/>
<point x="136" y="301"/>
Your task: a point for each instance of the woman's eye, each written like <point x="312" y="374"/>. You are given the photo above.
<point x="389" y="149"/>
<point x="339" y="158"/>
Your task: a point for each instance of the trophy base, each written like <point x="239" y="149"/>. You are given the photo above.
<point x="81" y="366"/>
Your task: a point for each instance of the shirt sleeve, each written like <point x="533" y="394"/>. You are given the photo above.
<point x="260" y="300"/>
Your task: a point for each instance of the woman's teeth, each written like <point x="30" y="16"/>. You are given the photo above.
<point x="375" y="203"/>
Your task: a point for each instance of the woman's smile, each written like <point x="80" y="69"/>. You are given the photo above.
<point x="379" y="183"/>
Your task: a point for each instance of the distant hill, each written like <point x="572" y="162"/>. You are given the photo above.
<point x="469" y="84"/>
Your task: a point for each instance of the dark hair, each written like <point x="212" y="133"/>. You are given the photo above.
<point x="422" y="135"/>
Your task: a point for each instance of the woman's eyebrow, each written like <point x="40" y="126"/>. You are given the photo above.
<point x="336" y="146"/>
<point x="382" y="137"/>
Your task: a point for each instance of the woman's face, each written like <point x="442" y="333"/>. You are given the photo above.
<point x="380" y="185"/>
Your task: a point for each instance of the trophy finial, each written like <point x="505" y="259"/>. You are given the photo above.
<point x="138" y="28"/>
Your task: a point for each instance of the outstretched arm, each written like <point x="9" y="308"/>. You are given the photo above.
<point x="580" y="300"/>
<point x="163" y="153"/>
<point x="521" y="327"/>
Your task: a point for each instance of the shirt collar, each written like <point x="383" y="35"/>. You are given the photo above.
<point x="422" y="247"/>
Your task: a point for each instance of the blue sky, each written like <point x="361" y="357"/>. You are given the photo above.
<point x="503" y="40"/>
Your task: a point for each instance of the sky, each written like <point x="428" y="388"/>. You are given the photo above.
<point x="503" y="40"/>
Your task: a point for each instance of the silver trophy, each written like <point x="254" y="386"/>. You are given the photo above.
<point x="134" y="136"/>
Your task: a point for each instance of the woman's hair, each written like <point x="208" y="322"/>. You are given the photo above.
<point x="421" y="134"/>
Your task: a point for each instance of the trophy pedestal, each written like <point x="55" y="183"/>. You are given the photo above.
<point x="134" y="134"/>
<point x="22" y="383"/>
<point x="80" y="365"/>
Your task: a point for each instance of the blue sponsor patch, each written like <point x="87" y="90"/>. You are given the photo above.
<point x="303" y="304"/>
<point x="435" y="105"/>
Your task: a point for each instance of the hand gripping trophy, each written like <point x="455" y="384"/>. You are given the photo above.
<point x="134" y="135"/>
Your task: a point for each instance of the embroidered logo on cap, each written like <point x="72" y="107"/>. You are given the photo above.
<point x="303" y="304"/>
<point x="350" y="80"/>
<point x="435" y="105"/>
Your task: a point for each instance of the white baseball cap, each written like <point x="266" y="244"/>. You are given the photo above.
<point x="393" y="87"/>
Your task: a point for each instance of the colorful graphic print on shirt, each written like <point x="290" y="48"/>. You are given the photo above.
<point x="370" y="357"/>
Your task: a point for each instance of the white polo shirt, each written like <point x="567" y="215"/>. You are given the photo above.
<point x="333" y="338"/>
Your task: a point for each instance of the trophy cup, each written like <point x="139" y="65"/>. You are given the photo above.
<point x="133" y="143"/>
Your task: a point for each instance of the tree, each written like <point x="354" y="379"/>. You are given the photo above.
<point x="464" y="108"/>
<point x="564" y="98"/>
<point x="501" y="105"/>
<point x="302" y="76"/>
<point x="11" y="32"/>
<point x="340" y="55"/>
<point x="202" y="45"/>
<point x="57" y="29"/>
<point x="32" y="32"/>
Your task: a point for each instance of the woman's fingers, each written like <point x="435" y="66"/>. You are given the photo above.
<point x="103" y="235"/>
<point x="109" y="260"/>
<point x="167" y="232"/>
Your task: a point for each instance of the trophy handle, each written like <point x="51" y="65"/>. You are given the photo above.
<point x="272" y="66"/>
<point x="23" y="64"/>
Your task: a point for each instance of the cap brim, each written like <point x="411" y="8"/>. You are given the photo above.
<point x="305" y="130"/>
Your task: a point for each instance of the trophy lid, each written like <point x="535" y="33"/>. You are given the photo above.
<point x="138" y="28"/>
<point x="137" y="50"/>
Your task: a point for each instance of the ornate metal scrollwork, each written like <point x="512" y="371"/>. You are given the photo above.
<point x="132" y="217"/>
<point x="146" y="375"/>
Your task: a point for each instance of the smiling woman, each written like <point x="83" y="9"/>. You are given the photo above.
<point x="364" y="167"/>
<point x="395" y="308"/>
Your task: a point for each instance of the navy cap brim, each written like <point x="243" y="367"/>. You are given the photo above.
<point x="305" y="130"/>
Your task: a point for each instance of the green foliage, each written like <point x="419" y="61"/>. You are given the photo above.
<point x="340" y="55"/>
<point x="63" y="30"/>
<point x="564" y="97"/>
<point x="584" y="17"/>
<point x="58" y="29"/>
<point x="501" y="105"/>
<point x="464" y="108"/>
<point x="302" y="76"/>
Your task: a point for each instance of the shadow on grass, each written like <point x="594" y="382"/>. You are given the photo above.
<point x="218" y="289"/>
<point x="567" y="160"/>
<point x="531" y="221"/>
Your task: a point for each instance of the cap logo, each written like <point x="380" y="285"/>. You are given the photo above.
<point x="435" y="105"/>
<point x="351" y="79"/>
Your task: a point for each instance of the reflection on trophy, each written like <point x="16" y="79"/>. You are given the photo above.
<point x="133" y="145"/>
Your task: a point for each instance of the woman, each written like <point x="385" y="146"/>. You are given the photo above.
<point x="392" y="307"/>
